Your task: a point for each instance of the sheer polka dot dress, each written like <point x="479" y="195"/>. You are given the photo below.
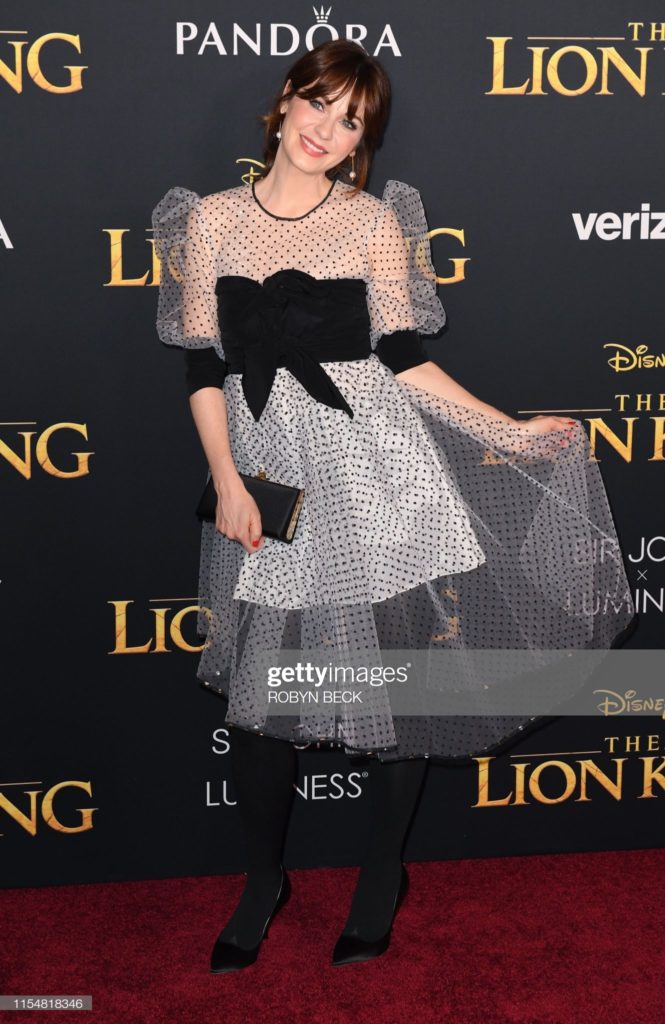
<point x="426" y="526"/>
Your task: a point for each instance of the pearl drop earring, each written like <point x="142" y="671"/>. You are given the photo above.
<point x="278" y="133"/>
<point x="352" y="172"/>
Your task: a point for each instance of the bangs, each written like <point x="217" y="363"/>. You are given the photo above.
<point x="334" y="83"/>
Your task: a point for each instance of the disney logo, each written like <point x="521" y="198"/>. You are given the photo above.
<point x="633" y="359"/>
<point x="628" y="702"/>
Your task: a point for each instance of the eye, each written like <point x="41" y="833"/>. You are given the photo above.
<point x="350" y="124"/>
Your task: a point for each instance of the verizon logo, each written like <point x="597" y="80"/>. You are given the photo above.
<point x="644" y="224"/>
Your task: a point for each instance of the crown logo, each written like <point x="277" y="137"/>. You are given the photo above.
<point x="321" y="15"/>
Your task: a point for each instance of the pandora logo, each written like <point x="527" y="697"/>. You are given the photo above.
<point x="278" y="38"/>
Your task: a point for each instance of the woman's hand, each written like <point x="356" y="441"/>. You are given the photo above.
<point x="543" y="424"/>
<point x="238" y="516"/>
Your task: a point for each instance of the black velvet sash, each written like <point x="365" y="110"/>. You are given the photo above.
<point x="295" y="320"/>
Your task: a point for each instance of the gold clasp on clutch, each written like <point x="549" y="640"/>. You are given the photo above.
<point x="261" y="473"/>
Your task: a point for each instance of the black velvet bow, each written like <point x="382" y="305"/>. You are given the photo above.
<point x="277" y="323"/>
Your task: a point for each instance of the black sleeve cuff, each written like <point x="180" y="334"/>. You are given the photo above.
<point x="204" y="369"/>
<point x="401" y="350"/>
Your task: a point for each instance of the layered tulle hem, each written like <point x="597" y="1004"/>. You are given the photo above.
<point x="489" y="646"/>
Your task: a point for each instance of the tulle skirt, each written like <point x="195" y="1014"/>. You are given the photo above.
<point x="477" y="554"/>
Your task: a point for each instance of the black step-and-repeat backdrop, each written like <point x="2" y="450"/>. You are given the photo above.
<point x="533" y="131"/>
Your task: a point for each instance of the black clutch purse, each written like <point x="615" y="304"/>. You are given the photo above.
<point x="279" y="504"/>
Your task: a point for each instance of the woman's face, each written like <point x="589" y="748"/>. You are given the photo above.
<point x="318" y="135"/>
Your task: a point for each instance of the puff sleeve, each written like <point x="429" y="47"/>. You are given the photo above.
<point x="401" y="287"/>
<point x="187" y="305"/>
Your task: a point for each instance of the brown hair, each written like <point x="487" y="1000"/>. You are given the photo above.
<point x="329" y="70"/>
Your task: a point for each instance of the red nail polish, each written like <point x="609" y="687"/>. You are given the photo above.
<point x="256" y="542"/>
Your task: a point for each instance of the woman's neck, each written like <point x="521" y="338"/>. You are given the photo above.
<point x="288" y="192"/>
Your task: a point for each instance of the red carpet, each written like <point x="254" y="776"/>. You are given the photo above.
<point x="559" y="939"/>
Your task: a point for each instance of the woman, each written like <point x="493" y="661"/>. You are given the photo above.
<point x="432" y="522"/>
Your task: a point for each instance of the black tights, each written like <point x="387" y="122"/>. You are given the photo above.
<point x="264" y="775"/>
<point x="394" y="788"/>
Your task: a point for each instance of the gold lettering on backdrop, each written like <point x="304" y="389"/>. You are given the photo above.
<point x="570" y="781"/>
<point x="614" y="703"/>
<point x="457" y="261"/>
<point x="580" y="59"/>
<point x="633" y="743"/>
<point x="589" y="67"/>
<point x="22" y="461"/>
<point x="656" y="31"/>
<point x="575" y="775"/>
<point x="637" y="81"/>
<point x="499" y="87"/>
<point x="163" y="630"/>
<point x="623" y="448"/>
<point x="491" y="457"/>
<point x="253" y="172"/>
<point x="452" y="632"/>
<point x="640" y="358"/>
<point x="22" y="465"/>
<point x="652" y="775"/>
<point x="613" y="787"/>
<point x="44" y="460"/>
<point x="453" y="621"/>
<point x="172" y="267"/>
<point x="29" y="821"/>
<point x="643" y="401"/>
<point x="176" y="629"/>
<point x="484" y="786"/>
<point x="518" y="795"/>
<point x="14" y="76"/>
<point x="117" y="278"/>
<point x="49" y="814"/>
<point x="658" y="439"/>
